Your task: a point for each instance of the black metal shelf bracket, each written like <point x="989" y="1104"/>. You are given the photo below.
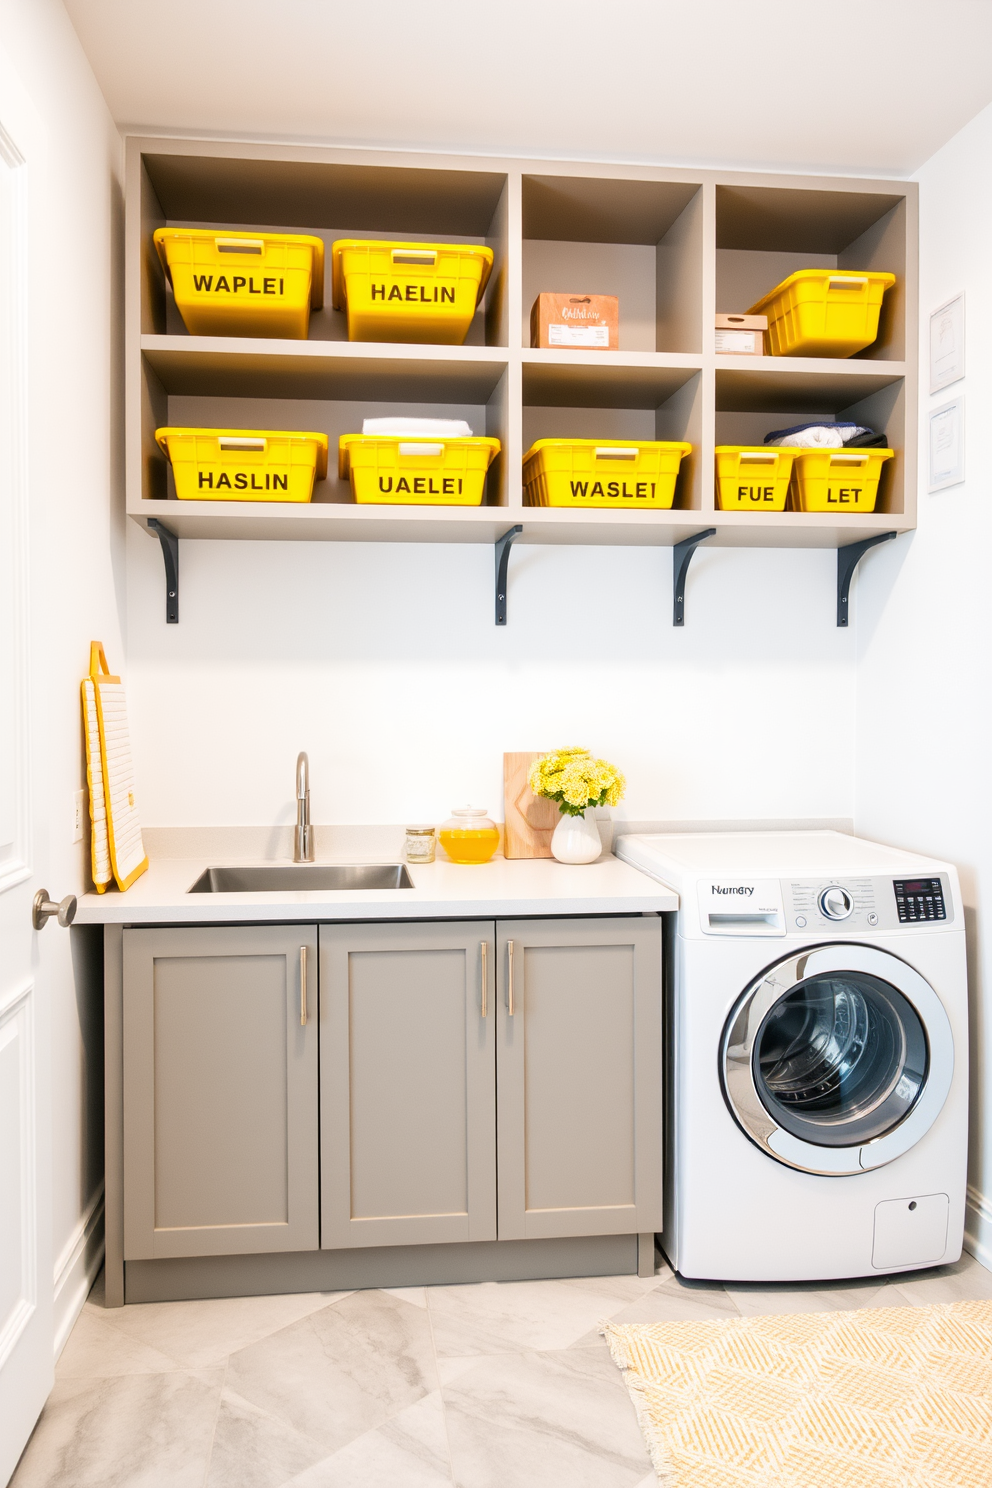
<point x="848" y="559"/>
<point x="170" y="555"/>
<point x="681" y="558"/>
<point x="503" y="546"/>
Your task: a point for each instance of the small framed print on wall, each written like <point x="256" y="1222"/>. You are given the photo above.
<point x="947" y="344"/>
<point x="947" y="445"/>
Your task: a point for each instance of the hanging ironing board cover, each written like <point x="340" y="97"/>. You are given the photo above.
<point x="117" y="848"/>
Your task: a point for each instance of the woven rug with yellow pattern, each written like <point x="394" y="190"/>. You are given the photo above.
<point x="888" y="1397"/>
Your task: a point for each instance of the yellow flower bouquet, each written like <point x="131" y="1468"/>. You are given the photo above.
<point x="576" y="780"/>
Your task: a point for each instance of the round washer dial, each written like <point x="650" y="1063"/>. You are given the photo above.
<point x="835" y="902"/>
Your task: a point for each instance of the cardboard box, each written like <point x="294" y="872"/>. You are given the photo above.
<point x="586" y="322"/>
<point x="741" y="335"/>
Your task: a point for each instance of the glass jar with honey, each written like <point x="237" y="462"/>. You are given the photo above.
<point x="469" y="836"/>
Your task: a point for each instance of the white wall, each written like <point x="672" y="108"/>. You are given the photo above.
<point x="383" y="661"/>
<point x="76" y="544"/>
<point x="925" y="621"/>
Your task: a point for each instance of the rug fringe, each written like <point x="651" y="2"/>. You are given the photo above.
<point x="661" y="1461"/>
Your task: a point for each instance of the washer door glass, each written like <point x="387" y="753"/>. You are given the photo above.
<point x="841" y="1059"/>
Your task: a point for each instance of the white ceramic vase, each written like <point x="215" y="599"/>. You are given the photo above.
<point x="576" y="839"/>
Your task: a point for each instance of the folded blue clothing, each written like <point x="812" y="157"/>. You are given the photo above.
<point x="824" y="434"/>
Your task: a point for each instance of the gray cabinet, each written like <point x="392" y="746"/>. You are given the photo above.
<point x="458" y="1061"/>
<point x="220" y="1090"/>
<point x="407" y="1083"/>
<point x="579" y="1077"/>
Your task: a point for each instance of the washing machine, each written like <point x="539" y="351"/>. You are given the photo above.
<point x="816" y="1055"/>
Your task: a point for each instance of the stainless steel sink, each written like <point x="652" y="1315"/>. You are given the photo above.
<point x="270" y="878"/>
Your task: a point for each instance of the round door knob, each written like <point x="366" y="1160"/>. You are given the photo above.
<point x="42" y="909"/>
<point x="836" y="903"/>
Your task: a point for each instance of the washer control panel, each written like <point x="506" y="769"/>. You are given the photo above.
<point x="864" y="904"/>
<point x="919" y="899"/>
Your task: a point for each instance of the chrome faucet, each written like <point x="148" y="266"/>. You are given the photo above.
<point x="303" y="841"/>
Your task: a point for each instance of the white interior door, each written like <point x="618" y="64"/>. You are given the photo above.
<point x="26" y="1331"/>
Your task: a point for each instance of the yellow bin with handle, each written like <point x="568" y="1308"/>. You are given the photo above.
<point x="387" y="470"/>
<point x="837" y="480"/>
<point x="752" y="477"/>
<point x="421" y="292"/>
<point x="242" y="283"/>
<point x="625" y="474"/>
<point x="244" y="464"/>
<point x="823" y="312"/>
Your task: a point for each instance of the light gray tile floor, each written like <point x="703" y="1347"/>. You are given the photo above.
<point x="501" y="1385"/>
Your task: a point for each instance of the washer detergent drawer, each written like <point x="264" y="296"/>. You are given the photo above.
<point x="910" y="1232"/>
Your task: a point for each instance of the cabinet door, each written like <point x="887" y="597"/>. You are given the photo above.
<point x="579" y="1068"/>
<point x="407" y="1084"/>
<point x="220" y="1090"/>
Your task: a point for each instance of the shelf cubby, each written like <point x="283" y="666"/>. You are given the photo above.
<point x="766" y="233"/>
<point x="751" y="403"/>
<point x="638" y="239"/>
<point x="590" y="401"/>
<point x="335" y="417"/>
<point x="217" y="191"/>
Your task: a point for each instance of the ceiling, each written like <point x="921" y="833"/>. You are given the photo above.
<point x="855" y="85"/>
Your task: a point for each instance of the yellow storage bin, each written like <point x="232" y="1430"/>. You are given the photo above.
<point x="823" y="312"/>
<point x="752" y="477"/>
<point x="392" y="471"/>
<point x="408" y="291"/>
<point x="837" y="480"/>
<point x="625" y="474"/>
<point x="243" y="284"/>
<point x="244" y="464"/>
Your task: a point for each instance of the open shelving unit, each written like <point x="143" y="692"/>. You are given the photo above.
<point x="675" y="246"/>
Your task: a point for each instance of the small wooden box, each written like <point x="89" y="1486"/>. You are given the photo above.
<point x="741" y="335"/>
<point x="586" y="322"/>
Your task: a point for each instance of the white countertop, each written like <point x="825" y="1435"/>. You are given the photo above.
<point x="524" y="886"/>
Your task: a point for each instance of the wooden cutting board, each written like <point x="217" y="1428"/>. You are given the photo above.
<point x="528" y="820"/>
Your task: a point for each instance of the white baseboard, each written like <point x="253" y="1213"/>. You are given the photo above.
<point x="76" y="1269"/>
<point x="978" y="1227"/>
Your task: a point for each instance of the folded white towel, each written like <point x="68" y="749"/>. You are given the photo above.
<point x="411" y="428"/>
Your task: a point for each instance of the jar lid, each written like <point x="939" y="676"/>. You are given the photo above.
<point x="420" y="831"/>
<point x="468" y="811"/>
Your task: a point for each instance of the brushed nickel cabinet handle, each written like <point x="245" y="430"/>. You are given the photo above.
<point x="484" y="948"/>
<point x="303" y="986"/>
<point x="509" y="977"/>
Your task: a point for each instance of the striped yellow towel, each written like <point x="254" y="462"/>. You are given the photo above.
<point x="117" y="848"/>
